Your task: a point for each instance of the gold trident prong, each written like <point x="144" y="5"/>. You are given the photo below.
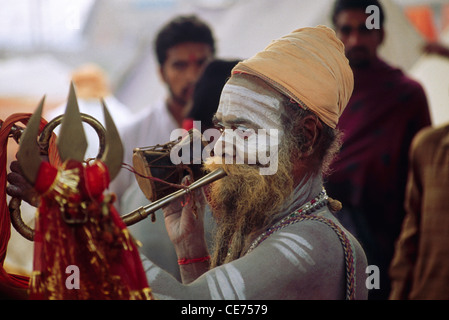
<point x="71" y="142"/>
<point x="28" y="154"/>
<point x="113" y="154"/>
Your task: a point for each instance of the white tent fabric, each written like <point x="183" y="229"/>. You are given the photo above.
<point x="432" y="72"/>
<point x="241" y="28"/>
<point x="245" y="27"/>
<point x="34" y="76"/>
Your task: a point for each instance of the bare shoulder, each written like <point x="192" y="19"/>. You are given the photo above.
<point x="335" y="242"/>
<point x="327" y="255"/>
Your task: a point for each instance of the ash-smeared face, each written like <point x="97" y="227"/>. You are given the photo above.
<point x="250" y="120"/>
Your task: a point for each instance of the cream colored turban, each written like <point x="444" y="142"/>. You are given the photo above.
<point x="309" y="66"/>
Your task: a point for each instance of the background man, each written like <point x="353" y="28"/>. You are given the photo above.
<point x="184" y="46"/>
<point x="384" y="113"/>
<point x="419" y="266"/>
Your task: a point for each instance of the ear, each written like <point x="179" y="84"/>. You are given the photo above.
<point x="162" y="74"/>
<point x="311" y="128"/>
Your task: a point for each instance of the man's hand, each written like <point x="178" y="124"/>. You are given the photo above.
<point x="185" y="227"/>
<point x="19" y="187"/>
<point x="184" y="221"/>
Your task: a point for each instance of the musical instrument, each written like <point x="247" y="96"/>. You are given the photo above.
<point x="160" y="179"/>
<point x="143" y="212"/>
<point x="158" y="175"/>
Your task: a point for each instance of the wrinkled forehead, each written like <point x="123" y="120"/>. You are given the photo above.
<point x="247" y="101"/>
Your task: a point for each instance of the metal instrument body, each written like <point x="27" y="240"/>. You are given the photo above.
<point x="143" y="212"/>
<point x="155" y="171"/>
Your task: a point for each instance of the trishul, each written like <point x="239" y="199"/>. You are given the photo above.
<point x="71" y="145"/>
<point x="71" y="142"/>
<point x="77" y="224"/>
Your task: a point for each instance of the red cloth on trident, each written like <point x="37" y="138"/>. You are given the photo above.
<point x="82" y="247"/>
<point x="16" y="281"/>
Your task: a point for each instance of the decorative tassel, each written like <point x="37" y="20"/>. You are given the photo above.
<point x="334" y="205"/>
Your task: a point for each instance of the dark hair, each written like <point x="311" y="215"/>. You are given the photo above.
<point x="179" y="30"/>
<point x="328" y="144"/>
<point x="341" y="5"/>
<point x="206" y="96"/>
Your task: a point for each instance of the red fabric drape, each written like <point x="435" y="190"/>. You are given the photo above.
<point x="101" y="246"/>
<point x="5" y="223"/>
<point x="79" y="227"/>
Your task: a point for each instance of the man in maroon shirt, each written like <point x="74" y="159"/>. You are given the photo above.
<point x="384" y="113"/>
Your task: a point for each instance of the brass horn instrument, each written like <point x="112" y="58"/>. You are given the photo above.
<point x="143" y="212"/>
<point x="159" y="178"/>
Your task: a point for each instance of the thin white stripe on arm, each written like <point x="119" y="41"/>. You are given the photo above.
<point x="226" y="283"/>
<point x="291" y="247"/>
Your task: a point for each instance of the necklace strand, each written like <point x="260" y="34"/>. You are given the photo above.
<point x="304" y="213"/>
<point x="316" y="203"/>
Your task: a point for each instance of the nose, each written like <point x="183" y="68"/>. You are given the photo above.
<point x="194" y="71"/>
<point x="354" y="38"/>
<point x="225" y="147"/>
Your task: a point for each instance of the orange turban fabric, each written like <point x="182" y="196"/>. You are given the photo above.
<point x="309" y="66"/>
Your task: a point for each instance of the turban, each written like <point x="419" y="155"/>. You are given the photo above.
<point x="308" y="66"/>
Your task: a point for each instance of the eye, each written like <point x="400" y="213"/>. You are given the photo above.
<point x="243" y="132"/>
<point x="219" y="126"/>
<point x="180" y="65"/>
<point x="363" y="29"/>
<point x="346" y="30"/>
<point x="202" y="62"/>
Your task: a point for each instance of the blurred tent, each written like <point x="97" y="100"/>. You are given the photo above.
<point x="118" y="36"/>
<point x="432" y="72"/>
<point x="422" y="18"/>
<point x="243" y="28"/>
